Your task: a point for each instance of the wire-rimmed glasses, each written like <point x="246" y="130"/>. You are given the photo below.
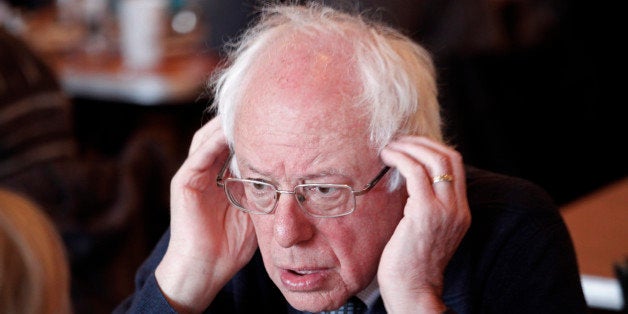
<point x="317" y="199"/>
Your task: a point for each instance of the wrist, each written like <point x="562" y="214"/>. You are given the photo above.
<point x="409" y="300"/>
<point x="188" y="287"/>
<point x="430" y="304"/>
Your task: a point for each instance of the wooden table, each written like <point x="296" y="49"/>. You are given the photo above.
<point x="598" y="224"/>
<point x="98" y="72"/>
<point x="177" y="79"/>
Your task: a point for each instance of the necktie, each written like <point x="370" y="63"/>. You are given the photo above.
<point x="353" y="306"/>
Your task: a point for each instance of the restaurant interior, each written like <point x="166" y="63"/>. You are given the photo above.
<point x="115" y="89"/>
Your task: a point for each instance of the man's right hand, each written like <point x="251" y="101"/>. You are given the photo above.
<point x="210" y="241"/>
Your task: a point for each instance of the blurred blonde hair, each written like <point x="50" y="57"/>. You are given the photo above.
<point x="34" y="271"/>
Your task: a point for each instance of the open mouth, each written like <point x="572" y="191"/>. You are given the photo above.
<point x="302" y="272"/>
<point x="303" y="279"/>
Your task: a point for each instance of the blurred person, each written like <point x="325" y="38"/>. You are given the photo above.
<point x="34" y="271"/>
<point x="325" y="177"/>
<point x="94" y="200"/>
<point x="37" y="144"/>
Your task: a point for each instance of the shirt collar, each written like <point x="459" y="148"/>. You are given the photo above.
<point x="370" y="294"/>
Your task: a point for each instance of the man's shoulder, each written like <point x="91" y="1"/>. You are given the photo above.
<point x="509" y="258"/>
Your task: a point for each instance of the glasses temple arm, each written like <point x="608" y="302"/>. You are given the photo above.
<point x="371" y="184"/>
<point x="223" y="170"/>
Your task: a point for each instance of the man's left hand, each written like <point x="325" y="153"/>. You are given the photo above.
<point x="436" y="218"/>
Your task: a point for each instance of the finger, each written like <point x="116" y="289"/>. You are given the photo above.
<point x="418" y="184"/>
<point x="433" y="161"/>
<point x="449" y="157"/>
<point x="442" y="204"/>
<point x="458" y="184"/>
<point x="440" y="159"/>
<point x="202" y="165"/>
<point x="204" y="133"/>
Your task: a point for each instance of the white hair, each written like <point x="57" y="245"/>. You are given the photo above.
<point x="398" y="84"/>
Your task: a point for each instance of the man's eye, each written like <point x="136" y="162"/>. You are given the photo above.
<point x="259" y="186"/>
<point x="325" y="190"/>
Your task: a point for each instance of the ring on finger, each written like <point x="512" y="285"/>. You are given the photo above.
<point x="442" y="178"/>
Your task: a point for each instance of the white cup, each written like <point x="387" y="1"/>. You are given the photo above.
<point x="142" y="26"/>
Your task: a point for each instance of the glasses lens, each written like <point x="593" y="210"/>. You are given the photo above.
<point x="326" y="199"/>
<point x="251" y="196"/>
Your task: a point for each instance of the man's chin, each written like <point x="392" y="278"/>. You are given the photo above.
<point x="312" y="301"/>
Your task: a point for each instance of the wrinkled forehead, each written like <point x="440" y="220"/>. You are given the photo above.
<point x="301" y="74"/>
<point x="303" y="94"/>
<point x="306" y="62"/>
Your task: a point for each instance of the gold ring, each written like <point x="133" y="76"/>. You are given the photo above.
<point x="443" y="178"/>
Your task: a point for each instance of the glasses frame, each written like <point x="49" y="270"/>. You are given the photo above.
<point x="220" y="182"/>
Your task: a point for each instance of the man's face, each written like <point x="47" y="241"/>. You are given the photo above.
<point x="296" y="126"/>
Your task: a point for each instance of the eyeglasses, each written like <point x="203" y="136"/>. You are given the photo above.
<point x="317" y="199"/>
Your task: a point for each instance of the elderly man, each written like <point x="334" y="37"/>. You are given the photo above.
<point x="324" y="178"/>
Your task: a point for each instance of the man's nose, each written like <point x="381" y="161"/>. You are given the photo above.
<point x="292" y="224"/>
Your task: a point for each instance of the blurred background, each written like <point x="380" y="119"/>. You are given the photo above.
<point x="99" y="100"/>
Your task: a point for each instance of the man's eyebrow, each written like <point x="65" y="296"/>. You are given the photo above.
<point x="256" y="171"/>
<point x="325" y="173"/>
<point x="321" y="174"/>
